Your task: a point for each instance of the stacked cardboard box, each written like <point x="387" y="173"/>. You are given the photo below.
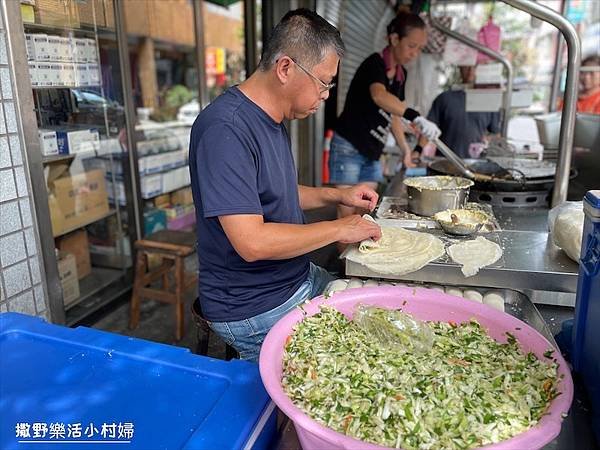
<point x="76" y="200"/>
<point x="67" y="273"/>
<point x="77" y="244"/>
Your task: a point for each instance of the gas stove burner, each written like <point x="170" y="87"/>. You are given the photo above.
<point x="525" y="199"/>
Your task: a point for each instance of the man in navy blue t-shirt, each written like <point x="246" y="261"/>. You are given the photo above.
<point x="252" y="235"/>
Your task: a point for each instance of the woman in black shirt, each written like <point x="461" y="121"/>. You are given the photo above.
<point x="374" y="105"/>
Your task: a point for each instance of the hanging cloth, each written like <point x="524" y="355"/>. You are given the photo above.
<point x="386" y="54"/>
<point x="489" y="35"/>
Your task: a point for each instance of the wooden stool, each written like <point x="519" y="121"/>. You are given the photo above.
<point x="172" y="247"/>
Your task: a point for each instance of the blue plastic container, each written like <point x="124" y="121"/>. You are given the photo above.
<point x="586" y="326"/>
<point x="108" y="389"/>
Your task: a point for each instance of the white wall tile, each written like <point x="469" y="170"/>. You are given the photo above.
<point x="2" y="122"/>
<point x="16" y="278"/>
<point x="11" y="117"/>
<point x="25" y="212"/>
<point x="40" y="300"/>
<point x="12" y="249"/>
<point x="10" y="218"/>
<point x="30" y="241"/>
<point x="8" y="190"/>
<point x="5" y="160"/>
<point x="34" y="267"/>
<point x="21" y="181"/>
<point x="15" y="149"/>
<point x="24" y="303"/>
<point x="3" y="58"/>
<point x="7" y="93"/>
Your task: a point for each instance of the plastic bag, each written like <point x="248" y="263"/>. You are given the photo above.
<point x="393" y="327"/>
<point x="458" y="53"/>
<point x="565" y="222"/>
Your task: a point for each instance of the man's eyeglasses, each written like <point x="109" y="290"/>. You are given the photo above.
<point x="324" y="86"/>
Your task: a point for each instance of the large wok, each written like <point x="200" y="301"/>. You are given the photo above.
<point x="502" y="181"/>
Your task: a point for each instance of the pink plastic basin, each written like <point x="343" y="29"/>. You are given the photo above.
<point x="425" y="304"/>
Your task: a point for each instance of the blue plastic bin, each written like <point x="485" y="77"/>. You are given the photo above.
<point x="108" y="389"/>
<point x="586" y="326"/>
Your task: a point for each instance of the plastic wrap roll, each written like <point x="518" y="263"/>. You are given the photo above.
<point x="335" y="286"/>
<point x="354" y="283"/>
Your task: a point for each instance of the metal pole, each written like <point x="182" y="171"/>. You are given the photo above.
<point x="32" y="158"/>
<point x="200" y="48"/>
<point x="557" y="72"/>
<point x="134" y="196"/>
<point x="567" y="126"/>
<point x="250" y="36"/>
<point x="506" y="102"/>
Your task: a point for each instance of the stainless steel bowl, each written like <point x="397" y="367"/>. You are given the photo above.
<point x="461" y="222"/>
<point x="430" y="195"/>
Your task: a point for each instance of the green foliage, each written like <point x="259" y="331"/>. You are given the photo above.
<point x="175" y="97"/>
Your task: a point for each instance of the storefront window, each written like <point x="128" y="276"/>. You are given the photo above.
<point x="78" y="101"/>
<point x="224" y="40"/>
<point x="162" y="48"/>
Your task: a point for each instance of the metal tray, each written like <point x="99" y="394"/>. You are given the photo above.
<point x="393" y="209"/>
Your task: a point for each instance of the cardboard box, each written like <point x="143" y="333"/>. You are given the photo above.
<point x="55" y="74"/>
<point x="75" y="141"/>
<point x="67" y="74"/>
<point x="162" y="200"/>
<point x="27" y="13"/>
<point x="182" y="197"/>
<point x="91" y="51"/>
<point x="48" y="142"/>
<point x="77" y="244"/>
<point x="44" y="74"/>
<point x="151" y="185"/>
<point x="37" y="47"/>
<point x="67" y="273"/>
<point x="154" y="220"/>
<point x="94" y="74"/>
<point x="79" y="50"/>
<point x="92" y="12"/>
<point x="116" y="192"/>
<point x="54" y="48"/>
<point x="109" y="13"/>
<point x="82" y="77"/>
<point x="76" y="200"/>
<point x="57" y="13"/>
<point x="33" y="73"/>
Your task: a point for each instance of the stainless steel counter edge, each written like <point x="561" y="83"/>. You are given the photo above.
<point x="530" y="261"/>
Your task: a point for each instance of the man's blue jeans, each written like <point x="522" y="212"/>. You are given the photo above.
<point x="247" y="335"/>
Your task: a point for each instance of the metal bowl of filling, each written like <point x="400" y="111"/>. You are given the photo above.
<point x="461" y="222"/>
<point x="430" y="195"/>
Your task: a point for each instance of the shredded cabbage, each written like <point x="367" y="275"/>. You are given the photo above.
<point x="467" y="391"/>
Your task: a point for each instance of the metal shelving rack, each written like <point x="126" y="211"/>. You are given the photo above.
<point x="114" y="277"/>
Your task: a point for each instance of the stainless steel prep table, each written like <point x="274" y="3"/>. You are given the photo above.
<point x="531" y="260"/>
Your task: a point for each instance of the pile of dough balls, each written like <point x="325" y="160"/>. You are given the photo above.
<point x="493" y="298"/>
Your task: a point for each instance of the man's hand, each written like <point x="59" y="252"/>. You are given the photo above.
<point x="407" y="161"/>
<point x="354" y="228"/>
<point x="359" y="196"/>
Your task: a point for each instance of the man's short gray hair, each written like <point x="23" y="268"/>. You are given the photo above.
<point x="303" y="35"/>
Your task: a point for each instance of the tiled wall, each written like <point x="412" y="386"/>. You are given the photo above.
<point x="21" y="288"/>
